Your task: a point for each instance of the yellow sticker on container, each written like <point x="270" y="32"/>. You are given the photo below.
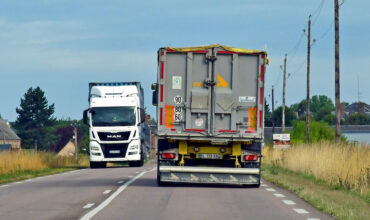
<point x="252" y="119"/>
<point x="169" y="112"/>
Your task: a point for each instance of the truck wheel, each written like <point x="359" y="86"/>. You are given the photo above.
<point x="94" y="165"/>
<point x="103" y="165"/>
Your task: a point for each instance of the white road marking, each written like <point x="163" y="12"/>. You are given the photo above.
<point x="264" y="185"/>
<point x="87" y="206"/>
<point x="106" y="202"/>
<point x="137" y="172"/>
<point x="119" y="182"/>
<point x="107" y="191"/>
<point x="289" y="202"/>
<point x="313" y="219"/>
<point x="4" y="185"/>
<point x="279" y="195"/>
<point x="28" y="180"/>
<point x="300" y="211"/>
<point x="261" y="181"/>
<point x="271" y="189"/>
<point x="130" y="176"/>
<point x="18" y="182"/>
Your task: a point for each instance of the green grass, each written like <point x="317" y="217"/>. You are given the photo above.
<point x="337" y="201"/>
<point x="12" y="177"/>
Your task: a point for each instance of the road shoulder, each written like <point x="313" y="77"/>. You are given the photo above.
<point x="340" y="203"/>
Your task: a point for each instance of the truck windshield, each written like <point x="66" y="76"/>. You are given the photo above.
<point x="113" y="116"/>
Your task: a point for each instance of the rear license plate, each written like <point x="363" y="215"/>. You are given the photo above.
<point x="114" y="151"/>
<point x="209" y="156"/>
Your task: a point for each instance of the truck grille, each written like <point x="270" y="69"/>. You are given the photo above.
<point x="119" y="136"/>
<point x="114" y="150"/>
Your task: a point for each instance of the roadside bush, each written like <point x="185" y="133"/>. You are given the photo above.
<point x="319" y="131"/>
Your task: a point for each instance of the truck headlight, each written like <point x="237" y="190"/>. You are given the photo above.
<point x="134" y="147"/>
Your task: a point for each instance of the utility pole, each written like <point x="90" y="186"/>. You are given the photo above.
<point x="74" y="125"/>
<point x="35" y="145"/>
<point x="76" y="148"/>
<point x="337" y="72"/>
<point x="284" y="84"/>
<point x="273" y="110"/>
<point x="308" y="82"/>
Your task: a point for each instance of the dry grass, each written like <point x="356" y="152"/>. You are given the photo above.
<point x="338" y="165"/>
<point x="11" y="162"/>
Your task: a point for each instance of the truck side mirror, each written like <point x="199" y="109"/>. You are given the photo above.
<point x="155" y="94"/>
<point x="155" y="98"/>
<point x="85" y="117"/>
<point x="142" y="115"/>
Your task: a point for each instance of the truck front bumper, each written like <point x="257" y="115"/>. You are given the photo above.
<point x="186" y="174"/>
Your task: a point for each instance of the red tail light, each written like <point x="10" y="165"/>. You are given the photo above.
<point x="168" y="155"/>
<point x="251" y="157"/>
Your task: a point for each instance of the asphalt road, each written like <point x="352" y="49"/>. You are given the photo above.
<point x="131" y="193"/>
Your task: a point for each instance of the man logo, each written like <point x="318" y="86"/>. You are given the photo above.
<point x="114" y="136"/>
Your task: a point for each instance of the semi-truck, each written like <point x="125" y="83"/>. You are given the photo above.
<point x="115" y="117"/>
<point x="210" y="107"/>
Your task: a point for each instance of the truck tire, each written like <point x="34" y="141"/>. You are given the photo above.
<point x="138" y="163"/>
<point x="95" y="165"/>
<point x="103" y="165"/>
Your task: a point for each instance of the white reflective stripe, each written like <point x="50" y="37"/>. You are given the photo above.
<point x="87" y="206"/>
<point x="209" y="170"/>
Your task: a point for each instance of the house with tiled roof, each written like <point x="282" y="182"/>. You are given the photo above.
<point x="9" y="140"/>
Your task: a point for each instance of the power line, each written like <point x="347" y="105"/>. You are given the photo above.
<point x="326" y="32"/>
<point x="318" y="11"/>
<point x="279" y="76"/>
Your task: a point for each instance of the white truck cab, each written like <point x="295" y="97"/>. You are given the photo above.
<point x="115" y="117"/>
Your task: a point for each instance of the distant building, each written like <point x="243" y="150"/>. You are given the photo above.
<point x="9" y="140"/>
<point x="357" y="108"/>
<point x="67" y="150"/>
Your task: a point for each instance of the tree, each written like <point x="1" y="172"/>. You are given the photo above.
<point x="289" y="116"/>
<point x="321" y="103"/>
<point x="0" y="117"/>
<point x="321" y="108"/>
<point x="35" y="116"/>
<point x="357" y="119"/>
<point x="300" y="108"/>
<point x="268" y="115"/>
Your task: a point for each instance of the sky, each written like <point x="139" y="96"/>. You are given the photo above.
<point x="62" y="45"/>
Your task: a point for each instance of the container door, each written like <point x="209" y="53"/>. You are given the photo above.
<point x="235" y="94"/>
<point x="199" y="76"/>
<point x="185" y="94"/>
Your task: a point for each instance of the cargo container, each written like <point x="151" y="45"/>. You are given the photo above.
<point x="210" y="106"/>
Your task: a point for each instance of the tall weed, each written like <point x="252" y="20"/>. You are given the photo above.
<point x="338" y="165"/>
